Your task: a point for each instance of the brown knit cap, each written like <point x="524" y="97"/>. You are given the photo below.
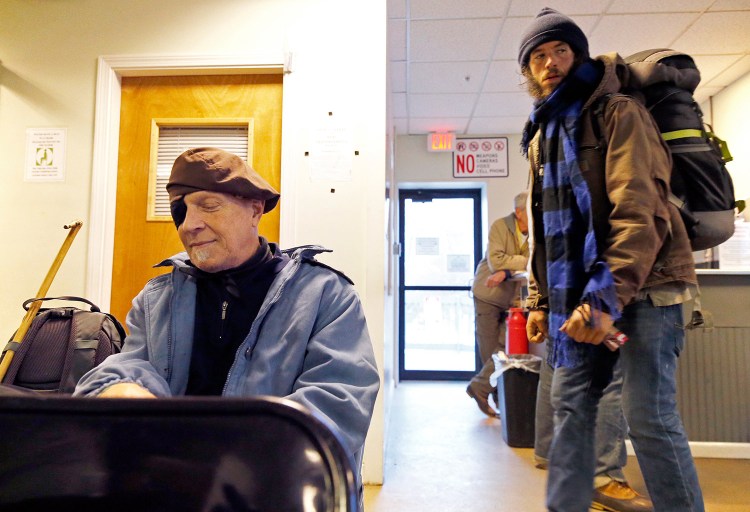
<point x="217" y="170"/>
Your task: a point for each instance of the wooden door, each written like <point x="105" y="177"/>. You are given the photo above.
<point x="139" y="244"/>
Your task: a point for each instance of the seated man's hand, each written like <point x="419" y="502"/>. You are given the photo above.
<point x="126" y="390"/>
<point x="495" y="279"/>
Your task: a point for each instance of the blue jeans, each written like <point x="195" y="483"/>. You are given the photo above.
<point x="610" y="432"/>
<point x="648" y="400"/>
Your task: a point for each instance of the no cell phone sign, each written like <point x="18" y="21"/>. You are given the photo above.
<point x="485" y="157"/>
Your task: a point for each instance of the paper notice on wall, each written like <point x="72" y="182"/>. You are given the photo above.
<point x="428" y="246"/>
<point x="331" y="153"/>
<point x="734" y="254"/>
<point x="458" y="263"/>
<point x="45" y="154"/>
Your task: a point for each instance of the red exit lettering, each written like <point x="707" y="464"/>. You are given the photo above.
<point x="440" y="141"/>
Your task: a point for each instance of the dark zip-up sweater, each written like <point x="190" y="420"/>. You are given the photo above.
<point x="227" y="303"/>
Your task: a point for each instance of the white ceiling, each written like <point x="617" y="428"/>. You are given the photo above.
<point x="452" y="63"/>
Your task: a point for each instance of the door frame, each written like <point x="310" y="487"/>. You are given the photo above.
<point x="110" y="70"/>
<point x="434" y="193"/>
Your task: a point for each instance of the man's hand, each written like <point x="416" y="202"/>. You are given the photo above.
<point x="126" y="390"/>
<point x="495" y="279"/>
<point x="587" y="325"/>
<point x="536" y="326"/>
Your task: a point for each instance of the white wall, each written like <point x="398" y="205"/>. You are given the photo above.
<point x="416" y="167"/>
<point x="730" y="113"/>
<point x="49" y="54"/>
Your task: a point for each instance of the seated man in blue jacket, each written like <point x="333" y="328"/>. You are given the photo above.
<point x="238" y="317"/>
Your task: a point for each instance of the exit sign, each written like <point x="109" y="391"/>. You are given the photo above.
<point x="440" y="141"/>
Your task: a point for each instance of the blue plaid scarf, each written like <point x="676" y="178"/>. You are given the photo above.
<point x="576" y="273"/>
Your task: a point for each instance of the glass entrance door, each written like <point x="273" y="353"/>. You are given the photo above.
<point x="440" y="236"/>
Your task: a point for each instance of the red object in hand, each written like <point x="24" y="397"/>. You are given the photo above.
<point x="615" y="339"/>
<point x="516" y="341"/>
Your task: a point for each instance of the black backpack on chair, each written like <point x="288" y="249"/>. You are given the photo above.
<point x="61" y="345"/>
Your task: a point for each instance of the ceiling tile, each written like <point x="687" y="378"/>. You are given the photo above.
<point x="396" y="8"/>
<point x="503" y="76"/>
<point x="513" y="29"/>
<point x="461" y="77"/>
<point x="398" y="76"/>
<point x="396" y="40"/>
<point x="712" y="65"/>
<point x="450" y="40"/>
<point x="401" y="125"/>
<point x="649" y="6"/>
<point x="701" y="39"/>
<point x="420" y="125"/>
<point x="496" y="125"/>
<point x="733" y="73"/>
<point x="730" y="5"/>
<point x="704" y="93"/>
<point x="398" y="104"/>
<point x="443" y="105"/>
<point x="503" y="104"/>
<point x="510" y="37"/>
<point x="568" y="7"/>
<point x="430" y="9"/>
<point x="456" y="40"/>
<point x="629" y="33"/>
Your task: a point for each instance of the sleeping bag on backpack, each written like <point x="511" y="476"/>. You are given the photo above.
<point x="664" y="80"/>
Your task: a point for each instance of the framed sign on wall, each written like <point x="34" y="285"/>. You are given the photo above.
<point x="485" y="157"/>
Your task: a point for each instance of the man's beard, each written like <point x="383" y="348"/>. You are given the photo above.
<point x="200" y="255"/>
<point x="533" y="87"/>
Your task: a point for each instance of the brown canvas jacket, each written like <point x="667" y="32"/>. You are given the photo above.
<point x="639" y="232"/>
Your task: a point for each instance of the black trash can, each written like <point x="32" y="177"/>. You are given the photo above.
<point x="517" y="379"/>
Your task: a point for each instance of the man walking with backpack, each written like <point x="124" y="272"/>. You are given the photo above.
<point x="609" y="255"/>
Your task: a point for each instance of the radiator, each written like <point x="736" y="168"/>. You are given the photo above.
<point x="713" y="384"/>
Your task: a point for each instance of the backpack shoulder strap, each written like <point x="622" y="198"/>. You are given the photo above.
<point x="597" y="109"/>
<point x="118" y="326"/>
<point x="83" y="344"/>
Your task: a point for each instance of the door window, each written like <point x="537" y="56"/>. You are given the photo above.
<point x="440" y="248"/>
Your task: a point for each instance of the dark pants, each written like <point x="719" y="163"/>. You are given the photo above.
<point x="490" y="337"/>
<point x="610" y="433"/>
<point x="648" y="362"/>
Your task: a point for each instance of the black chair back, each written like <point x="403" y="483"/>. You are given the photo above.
<point x="178" y="454"/>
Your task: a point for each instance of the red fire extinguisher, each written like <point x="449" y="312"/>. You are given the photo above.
<point x="516" y="341"/>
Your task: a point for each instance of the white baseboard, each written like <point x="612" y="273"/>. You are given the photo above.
<point x="710" y="450"/>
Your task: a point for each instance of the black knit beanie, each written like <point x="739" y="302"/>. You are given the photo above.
<point x="550" y="25"/>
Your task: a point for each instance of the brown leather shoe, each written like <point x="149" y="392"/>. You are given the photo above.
<point x="482" y="399"/>
<point x="620" y="497"/>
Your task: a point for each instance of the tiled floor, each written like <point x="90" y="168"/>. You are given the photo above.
<point x="444" y="455"/>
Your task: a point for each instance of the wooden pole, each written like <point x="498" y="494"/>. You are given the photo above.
<point x="74" y="227"/>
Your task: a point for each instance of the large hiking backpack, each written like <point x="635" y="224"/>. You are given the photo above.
<point x="664" y="80"/>
<point x="61" y="345"/>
